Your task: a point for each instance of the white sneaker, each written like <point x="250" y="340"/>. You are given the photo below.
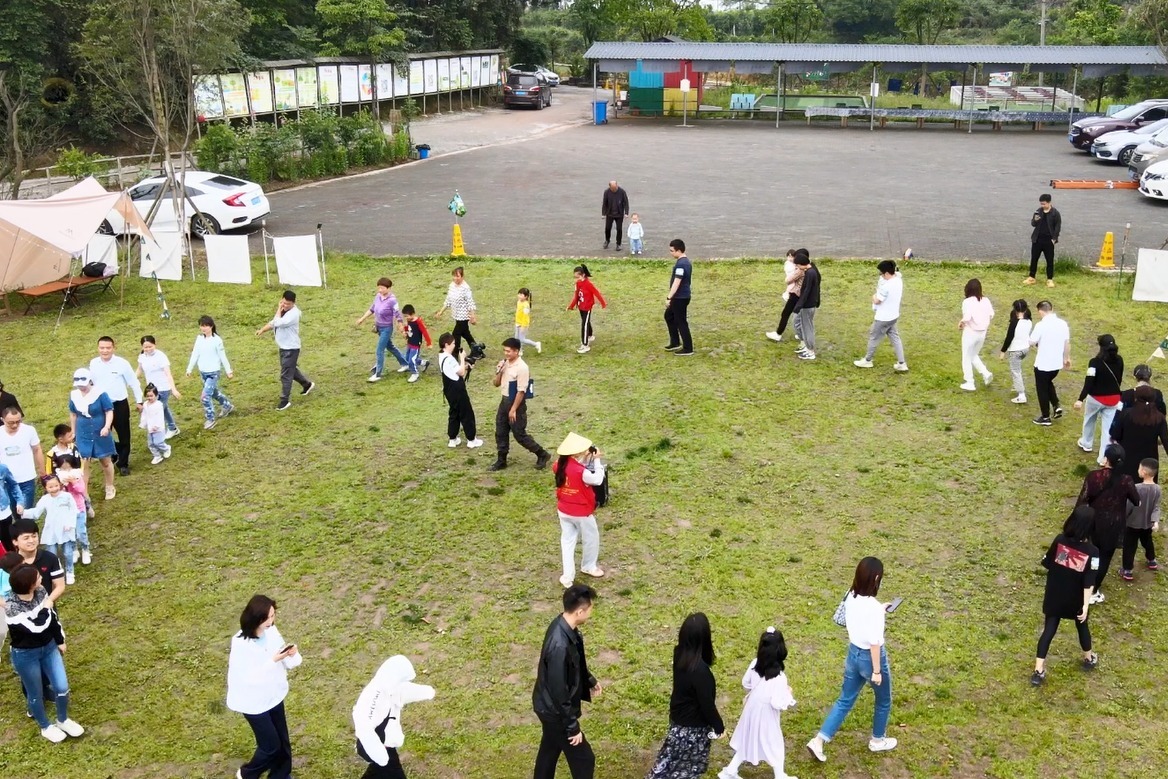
<point x="86" y="557"/>
<point x="987" y="378"/>
<point x="53" y="733"/>
<point x="157" y="459"/>
<point x="172" y="433"/>
<point x="862" y="363"/>
<point x="70" y="578"/>
<point x="76" y="555"/>
<point x="1097" y="598"/>
<point x="881" y="744"/>
<point x="454" y="442"/>
<point x="1019" y="399"/>
<point x="166" y="454"/>
<point x="726" y="773"/>
<point x="71" y="728"/>
<point x="815" y="747"/>
<point x="111" y="493"/>
<point x="969" y="386"/>
<point x="377" y="376"/>
<point x="567" y="581"/>
<point x="584" y="349"/>
<point x="475" y="444"/>
<point x="403" y="368"/>
<point x="900" y="367"/>
<point x="774" y="336"/>
<point x="539" y="347"/>
<point x="414" y="378"/>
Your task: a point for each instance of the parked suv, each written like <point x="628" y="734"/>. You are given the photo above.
<point x="526" y="89"/>
<point x="1084" y="131"/>
<point x="1152" y="150"/>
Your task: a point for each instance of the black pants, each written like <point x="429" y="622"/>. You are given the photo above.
<point x="585" y="326"/>
<point x="273" y="748"/>
<point x="1043" y="246"/>
<point x="609" y="221"/>
<point x="290" y="372"/>
<point x="391" y="770"/>
<point x="505" y="428"/>
<point x="6" y="533"/>
<point x="461" y="414"/>
<point x="1133" y="538"/>
<point x="1051" y="627"/>
<point x="1106" y="548"/>
<point x="788" y="307"/>
<point x="581" y="760"/>
<point x="461" y="330"/>
<point x="678" y="324"/>
<point x="1047" y="394"/>
<point x="122" y="430"/>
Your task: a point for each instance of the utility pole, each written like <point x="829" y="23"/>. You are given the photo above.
<point x="1041" y="32"/>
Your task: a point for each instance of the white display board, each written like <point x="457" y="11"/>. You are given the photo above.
<point x="384" y="81"/>
<point x="297" y="260"/>
<point x="350" y="89"/>
<point x="1151" y="276"/>
<point x="228" y="259"/>
<point x="163" y="256"/>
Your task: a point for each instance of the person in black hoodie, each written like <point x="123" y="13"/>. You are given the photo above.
<point x="1101" y="392"/>
<point x="562" y="682"/>
<point x="1072" y="564"/>
<point x="614" y="207"/>
<point x="807" y="306"/>
<point x="8" y="400"/>
<point x="693" y="711"/>
<point x="1143" y="376"/>
<point x="1140" y="429"/>
<point x="1047" y="224"/>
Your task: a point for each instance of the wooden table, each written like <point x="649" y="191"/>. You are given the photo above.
<point x="70" y="289"/>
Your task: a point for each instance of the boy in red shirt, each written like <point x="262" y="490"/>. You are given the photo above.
<point x="583" y="299"/>
<point x="415" y="330"/>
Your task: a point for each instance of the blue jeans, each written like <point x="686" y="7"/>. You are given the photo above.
<point x="413" y="353"/>
<point x="385" y="344"/>
<point x="211" y="392"/>
<point x="28" y="491"/>
<point x="30" y="664"/>
<point x="83" y="529"/>
<point x="636" y="245"/>
<point x="1094" y="410"/>
<point x="64" y="553"/>
<point x="164" y="396"/>
<point x="857" y="673"/>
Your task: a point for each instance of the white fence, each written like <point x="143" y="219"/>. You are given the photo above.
<point x="114" y="173"/>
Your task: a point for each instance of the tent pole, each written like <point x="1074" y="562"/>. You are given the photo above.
<point x="594" y="75"/>
<point x="267" y="270"/>
<point x="320" y="250"/>
<point x="65" y="299"/>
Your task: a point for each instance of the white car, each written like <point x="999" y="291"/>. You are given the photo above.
<point x="1118" y="145"/>
<point x="220" y="203"/>
<point x="1154" y="181"/>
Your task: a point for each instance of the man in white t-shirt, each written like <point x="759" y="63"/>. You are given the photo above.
<point x="20" y="450"/>
<point x="1052" y="337"/>
<point x="114" y="376"/>
<point x="886" y="305"/>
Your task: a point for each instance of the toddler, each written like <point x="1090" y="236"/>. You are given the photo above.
<point x="66" y="444"/>
<point x="636" y="235"/>
<point x="1016" y="345"/>
<point x="415" y="330"/>
<point x="68" y="470"/>
<point x="1142" y="521"/>
<point x="59" y="533"/>
<point x="154" y="423"/>
<point x="758" y="737"/>
<point x="523" y="320"/>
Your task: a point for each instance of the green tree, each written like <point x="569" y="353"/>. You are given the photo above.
<point x="281" y="29"/>
<point x="792" y="21"/>
<point x="854" y="21"/>
<point x="361" y="28"/>
<point x="596" y="19"/>
<point x="1091" y="22"/>
<point x="528" y="50"/>
<point x="1153" y="15"/>
<point x="648" y="20"/>
<point x="925" y="20"/>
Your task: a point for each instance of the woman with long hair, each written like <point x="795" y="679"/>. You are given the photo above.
<point x="693" y="710"/>
<point x="210" y="357"/>
<point x="1101" y="388"/>
<point x="1072" y="564"/>
<point x="1140" y="429"/>
<point x="976" y="314"/>
<point x="1108" y="490"/>
<point x="865" y="663"/>
<point x="257" y="683"/>
<point x="577" y="471"/>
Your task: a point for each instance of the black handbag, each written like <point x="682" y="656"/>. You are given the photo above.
<point x="601" y="491"/>
<point x="94" y="270"/>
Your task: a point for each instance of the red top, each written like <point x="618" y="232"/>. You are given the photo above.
<point x="586" y="296"/>
<point x="575" y="498"/>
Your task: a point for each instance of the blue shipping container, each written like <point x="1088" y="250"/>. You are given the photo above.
<point x="639" y="79"/>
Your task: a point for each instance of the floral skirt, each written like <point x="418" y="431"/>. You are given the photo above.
<point x="684" y="755"/>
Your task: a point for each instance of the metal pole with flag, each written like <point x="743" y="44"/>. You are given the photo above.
<point x="1159" y="353"/>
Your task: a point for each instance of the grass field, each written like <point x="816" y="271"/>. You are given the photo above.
<point x="746" y="484"/>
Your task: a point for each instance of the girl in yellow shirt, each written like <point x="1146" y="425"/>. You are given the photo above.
<point x="523" y="319"/>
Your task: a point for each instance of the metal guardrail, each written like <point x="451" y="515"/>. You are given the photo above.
<point x="120" y="173"/>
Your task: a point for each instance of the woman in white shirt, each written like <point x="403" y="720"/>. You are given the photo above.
<point x="866" y="662"/>
<point x="154" y="367"/>
<point x="257" y="683"/>
<point x="976" y="314"/>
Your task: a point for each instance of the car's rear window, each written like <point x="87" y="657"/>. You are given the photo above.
<point x="227" y="182"/>
<point x="524" y="80"/>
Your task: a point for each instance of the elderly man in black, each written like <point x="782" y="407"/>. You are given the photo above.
<point x="614" y="208"/>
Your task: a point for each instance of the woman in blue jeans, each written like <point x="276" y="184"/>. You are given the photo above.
<point x="866" y="662"/>
<point x="37" y="644"/>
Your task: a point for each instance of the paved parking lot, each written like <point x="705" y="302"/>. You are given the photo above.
<point x="532" y="182"/>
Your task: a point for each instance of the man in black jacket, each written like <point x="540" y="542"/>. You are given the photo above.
<point x="562" y="682"/>
<point x="614" y="207"/>
<point x="1047" y="225"/>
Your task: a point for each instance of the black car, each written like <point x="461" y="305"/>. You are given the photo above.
<point x="527" y="89"/>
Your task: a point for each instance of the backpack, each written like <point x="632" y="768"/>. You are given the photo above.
<point x="94" y="270"/>
<point x="601" y="491"/>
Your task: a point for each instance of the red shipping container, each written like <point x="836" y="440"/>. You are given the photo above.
<point x="673" y="80"/>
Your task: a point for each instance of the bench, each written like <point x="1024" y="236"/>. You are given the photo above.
<point x="71" y="289"/>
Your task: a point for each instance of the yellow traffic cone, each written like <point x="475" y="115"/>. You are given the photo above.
<point x="459" y="250"/>
<point x="1107" y="253"/>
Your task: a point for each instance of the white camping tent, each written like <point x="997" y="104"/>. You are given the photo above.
<point x="38" y="238"/>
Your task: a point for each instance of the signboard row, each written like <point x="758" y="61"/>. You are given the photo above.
<point x="308" y="86"/>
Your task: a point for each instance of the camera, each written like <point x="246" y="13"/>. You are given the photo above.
<point x="477" y="352"/>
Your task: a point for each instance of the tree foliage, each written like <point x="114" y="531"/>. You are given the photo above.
<point x="925" y="20"/>
<point x="361" y="28"/>
<point x="792" y="21"/>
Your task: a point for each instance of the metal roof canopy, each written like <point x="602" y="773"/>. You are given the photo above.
<point x="1092" y="61"/>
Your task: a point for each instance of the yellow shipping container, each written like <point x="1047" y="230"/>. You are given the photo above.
<point x="674" y="99"/>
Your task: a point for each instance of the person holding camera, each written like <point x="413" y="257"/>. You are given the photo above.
<point x="257" y="683"/>
<point x="514" y="378"/>
<point x="454" y="371"/>
<point x="578" y="470"/>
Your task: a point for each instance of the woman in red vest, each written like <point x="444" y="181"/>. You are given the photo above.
<point x="577" y="471"/>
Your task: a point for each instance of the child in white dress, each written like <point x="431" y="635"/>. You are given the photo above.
<point x="68" y="470"/>
<point x="154" y="423"/>
<point x="60" y="527"/>
<point x="758" y="737"/>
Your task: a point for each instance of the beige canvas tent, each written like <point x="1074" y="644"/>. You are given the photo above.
<point x="39" y="238"/>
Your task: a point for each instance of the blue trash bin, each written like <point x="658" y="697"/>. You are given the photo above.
<point x="600" y="112"/>
<point x="423" y="150"/>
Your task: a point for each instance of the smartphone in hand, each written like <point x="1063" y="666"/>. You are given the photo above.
<point x="891" y="607"/>
<point x="287" y="648"/>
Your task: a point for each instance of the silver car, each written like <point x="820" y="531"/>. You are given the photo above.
<point x="1146" y="153"/>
